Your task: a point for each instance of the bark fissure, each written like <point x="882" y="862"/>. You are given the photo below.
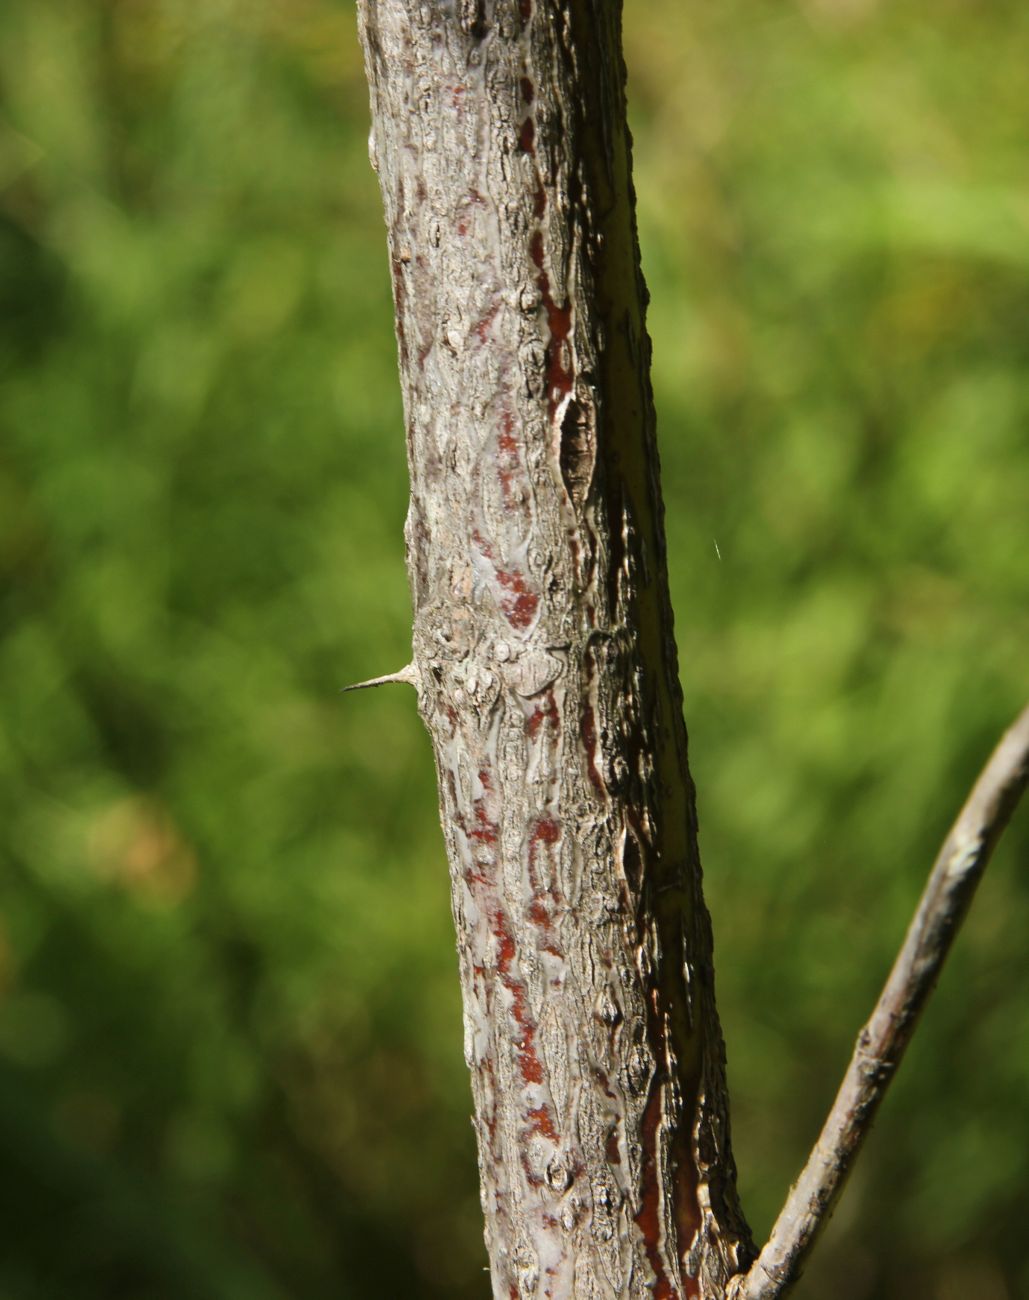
<point x="543" y="650"/>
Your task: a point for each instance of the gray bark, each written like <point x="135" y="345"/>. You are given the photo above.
<point x="543" y="650"/>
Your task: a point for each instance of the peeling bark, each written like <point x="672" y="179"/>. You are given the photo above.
<point x="543" y="649"/>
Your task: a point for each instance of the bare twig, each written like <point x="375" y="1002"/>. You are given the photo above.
<point x="881" y="1044"/>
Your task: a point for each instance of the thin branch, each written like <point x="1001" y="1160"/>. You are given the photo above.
<point x="881" y="1044"/>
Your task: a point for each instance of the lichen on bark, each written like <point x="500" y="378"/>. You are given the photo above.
<point x="543" y="649"/>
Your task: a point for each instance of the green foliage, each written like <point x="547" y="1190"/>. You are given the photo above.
<point x="230" y="1056"/>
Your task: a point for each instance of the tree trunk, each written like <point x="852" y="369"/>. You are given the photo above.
<point x="543" y="649"/>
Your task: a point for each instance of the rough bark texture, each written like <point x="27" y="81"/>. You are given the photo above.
<point x="543" y="649"/>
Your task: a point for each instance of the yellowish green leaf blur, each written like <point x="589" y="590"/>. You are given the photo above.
<point x="230" y="1041"/>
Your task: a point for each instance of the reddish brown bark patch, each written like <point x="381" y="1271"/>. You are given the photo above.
<point x="544" y="710"/>
<point x="545" y="831"/>
<point x="518" y="603"/>
<point x="648" y="1220"/>
<point x="485" y="832"/>
<point x="482" y="327"/>
<point x="542" y="1123"/>
<point x="528" y="1060"/>
<point x="509" y="465"/>
<point x="539" y="915"/>
<point x="559" y="322"/>
<point x="685" y="1198"/>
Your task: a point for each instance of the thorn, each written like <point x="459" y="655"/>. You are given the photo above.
<point x="409" y="674"/>
<point x="717" y="551"/>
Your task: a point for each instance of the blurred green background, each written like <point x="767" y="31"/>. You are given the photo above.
<point x="230" y="1060"/>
